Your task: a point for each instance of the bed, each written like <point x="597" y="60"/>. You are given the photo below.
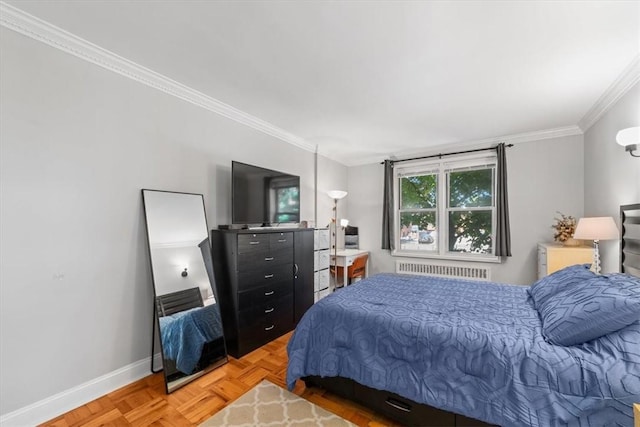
<point x="471" y="350"/>
<point x="191" y="332"/>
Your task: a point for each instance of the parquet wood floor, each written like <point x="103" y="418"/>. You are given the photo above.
<point x="144" y="402"/>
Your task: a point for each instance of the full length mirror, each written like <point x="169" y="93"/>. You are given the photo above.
<point x="186" y="304"/>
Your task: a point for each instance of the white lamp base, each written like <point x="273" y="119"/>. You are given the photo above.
<point x="595" y="266"/>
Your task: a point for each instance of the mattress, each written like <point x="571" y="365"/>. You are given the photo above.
<point x="184" y="334"/>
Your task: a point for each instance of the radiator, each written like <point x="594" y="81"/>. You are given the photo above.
<point x="469" y="272"/>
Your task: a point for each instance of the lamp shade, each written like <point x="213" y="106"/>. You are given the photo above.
<point x="336" y="194"/>
<point x="628" y="136"/>
<point x="596" y="228"/>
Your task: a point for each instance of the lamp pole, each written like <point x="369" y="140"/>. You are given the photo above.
<point x="335" y="244"/>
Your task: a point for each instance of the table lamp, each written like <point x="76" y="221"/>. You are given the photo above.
<point x="596" y="229"/>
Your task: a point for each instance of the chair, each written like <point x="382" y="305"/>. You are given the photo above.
<point x="355" y="270"/>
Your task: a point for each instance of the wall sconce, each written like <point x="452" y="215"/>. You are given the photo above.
<point x="629" y="138"/>
<point x="184" y="272"/>
<point x="344" y="223"/>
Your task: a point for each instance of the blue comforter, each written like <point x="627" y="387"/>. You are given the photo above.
<point x="473" y="348"/>
<point x="184" y="334"/>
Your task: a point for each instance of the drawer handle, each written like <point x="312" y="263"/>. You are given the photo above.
<point x="268" y="276"/>
<point x="268" y="328"/>
<point x="269" y="258"/>
<point x="254" y="243"/>
<point x="282" y="240"/>
<point x="398" y="405"/>
<point x="266" y="294"/>
<point x="269" y="310"/>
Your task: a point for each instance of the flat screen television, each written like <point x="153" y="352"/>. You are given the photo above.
<point x="263" y="196"/>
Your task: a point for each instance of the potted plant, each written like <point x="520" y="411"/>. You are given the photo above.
<point x="564" y="228"/>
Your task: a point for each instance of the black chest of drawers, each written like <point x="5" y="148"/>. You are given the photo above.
<point x="265" y="283"/>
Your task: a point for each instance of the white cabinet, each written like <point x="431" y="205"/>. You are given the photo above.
<point x="321" y="262"/>
<point x="553" y="257"/>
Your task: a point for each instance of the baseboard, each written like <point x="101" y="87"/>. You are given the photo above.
<point x="72" y="398"/>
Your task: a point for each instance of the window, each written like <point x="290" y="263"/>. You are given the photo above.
<point x="446" y="209"/>
<point x="287" y="206"/>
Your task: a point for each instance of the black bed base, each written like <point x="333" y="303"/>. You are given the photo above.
<point x="402" y="410"/>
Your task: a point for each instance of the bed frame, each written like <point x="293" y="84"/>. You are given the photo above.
<point x="397" y="408"/>
<point x="630" y="239"/>
<point x="175" y="302"/>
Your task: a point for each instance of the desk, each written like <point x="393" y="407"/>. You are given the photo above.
<point x="345" y="259"/>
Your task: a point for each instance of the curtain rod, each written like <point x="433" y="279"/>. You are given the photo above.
<point x="440" y="155"/>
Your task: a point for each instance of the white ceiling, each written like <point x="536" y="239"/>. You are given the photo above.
<point x="365" y="80"/>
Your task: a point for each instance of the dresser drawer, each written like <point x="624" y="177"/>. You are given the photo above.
<point x="264" y="330"/>
<point x="264" y="276"/>
<point x="264" y="261"/>
<point x="264" y="295"/>
<point x="402" y="409"/>
<point x="267" y="311"/>
<point x="281" y="240"/>
<point x="324" y="259"/>
<point x="281" y="245"/>
<point x="321" y="280"/>
<point x="252" y="245"/>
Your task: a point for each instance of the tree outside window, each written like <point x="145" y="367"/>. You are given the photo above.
<point x="447" y="210"/>
<point x="287" y="204"/>
<point x="470" y="211"/>
<point x="418" y="217"/>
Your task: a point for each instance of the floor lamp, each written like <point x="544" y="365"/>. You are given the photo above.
<point x="596" y="229"/>
<point x="335" y="195"/>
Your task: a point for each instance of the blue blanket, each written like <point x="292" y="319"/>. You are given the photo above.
<point x="184" y="334"/>
<point x="471" y="348"/>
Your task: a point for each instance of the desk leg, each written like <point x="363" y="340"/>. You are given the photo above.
<point x="344" y="274"/>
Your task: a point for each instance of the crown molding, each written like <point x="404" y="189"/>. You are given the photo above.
<point x="625" y="81"/>
<point x="507" y="139"/>
<point x="37" y="29"/>
<point x="42" y="31"/>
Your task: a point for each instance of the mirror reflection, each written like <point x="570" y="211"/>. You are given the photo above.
<point x="187" y="312"/>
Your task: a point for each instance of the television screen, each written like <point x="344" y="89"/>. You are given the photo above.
<point x="263" y="196"/>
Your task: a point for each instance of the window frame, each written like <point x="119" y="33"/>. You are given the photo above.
<point x="443" y="167"/>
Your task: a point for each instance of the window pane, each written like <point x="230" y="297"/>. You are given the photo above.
<point x="418" y="231"/>
<point x="288" y="208"/>
<point x="418" y="192"/>
<point x="468" y="189"/>
<point x="470" y="231"/>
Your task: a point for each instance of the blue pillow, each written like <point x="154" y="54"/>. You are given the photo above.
<point x="591" y="309"/>
<point x="558" y="281"/>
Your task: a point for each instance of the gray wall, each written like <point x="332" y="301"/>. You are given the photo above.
<point x="77" y="144"/>
<point x="611" y="175"/>
<point x="544" y="177"/>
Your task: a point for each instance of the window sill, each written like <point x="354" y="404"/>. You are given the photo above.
<point x="466" y="258"/>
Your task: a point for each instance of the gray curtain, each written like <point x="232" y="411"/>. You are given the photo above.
<point x="388" y="239"/>
<point x="503" y="232"/>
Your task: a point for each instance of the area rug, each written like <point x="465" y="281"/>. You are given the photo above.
<point x="270" y="405"/>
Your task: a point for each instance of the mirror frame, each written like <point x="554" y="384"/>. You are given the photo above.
<point x="156" y="335"/>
